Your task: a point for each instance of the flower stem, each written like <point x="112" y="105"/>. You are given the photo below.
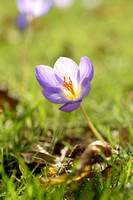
<point x="26" y="67"/>
<point x="90" y="124"/>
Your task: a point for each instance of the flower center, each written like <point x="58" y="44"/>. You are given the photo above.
<point x="68" y="86"/>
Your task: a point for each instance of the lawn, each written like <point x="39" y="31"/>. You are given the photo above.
<point x="27" y="120"/>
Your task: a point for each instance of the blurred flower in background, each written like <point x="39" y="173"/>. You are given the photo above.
<point x="31" y="9"/>
<point x="22" y="21"/>
<point x="63" y="3"/>
<point x="91" y="4"/>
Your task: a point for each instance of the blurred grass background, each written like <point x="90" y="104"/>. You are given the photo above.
<point x="104" y="34"/>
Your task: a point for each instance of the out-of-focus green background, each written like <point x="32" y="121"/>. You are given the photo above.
<point x="104" y="34"/>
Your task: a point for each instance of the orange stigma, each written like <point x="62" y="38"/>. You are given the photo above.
<point x="69" y="87"/>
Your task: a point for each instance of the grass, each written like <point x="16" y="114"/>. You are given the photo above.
<point x="105" y="36"/>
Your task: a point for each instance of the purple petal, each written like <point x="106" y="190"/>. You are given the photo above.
<point x="46" y="78"/>
<point x="22" y="21"/>
<point x="71" y="106"/>
<point x="85" y="89"/>
<point x="41" y="7"/>
<point x="65" y="67"/>
<point x="84" y="82"/>
<point x="78" y="76"/>
<point x="24" y="6"/>
<point x="34" y="7"/>
<point x="86" y="69"/>
<point x="58" y="98"/>
<point x="60" y="80"/>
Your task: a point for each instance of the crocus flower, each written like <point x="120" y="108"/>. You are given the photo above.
<point x="90" y="5"/>
<point x="66" y="83"/>
<point x="63" y="3"/>
<point x="31" y="9"/>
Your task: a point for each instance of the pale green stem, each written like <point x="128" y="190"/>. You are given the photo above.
<point x="26" y="66"/>
<point x="95" y="132"/>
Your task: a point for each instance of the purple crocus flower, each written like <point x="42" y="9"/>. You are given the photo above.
<point x="34" y="8"/>
<point x="66" y="83"/>
<point x="31" y="9"/>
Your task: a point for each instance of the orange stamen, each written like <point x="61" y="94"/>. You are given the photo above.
<point x="69" y="86"/>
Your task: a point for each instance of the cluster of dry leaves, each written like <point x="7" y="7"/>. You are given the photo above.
<point x="60" y="167"/>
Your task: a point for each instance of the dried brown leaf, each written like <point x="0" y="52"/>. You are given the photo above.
<point x="4" y="97"/>
<point x="65" y="178"/>
<point x="91" y="154"/>
<point x="72" y="140"/>
<point x="109" y="169"/>
<point x="124" y="134"/>
<point x="77" y="151"/>
<point x="39" y="155"/>
<point x="53" y="181"/>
